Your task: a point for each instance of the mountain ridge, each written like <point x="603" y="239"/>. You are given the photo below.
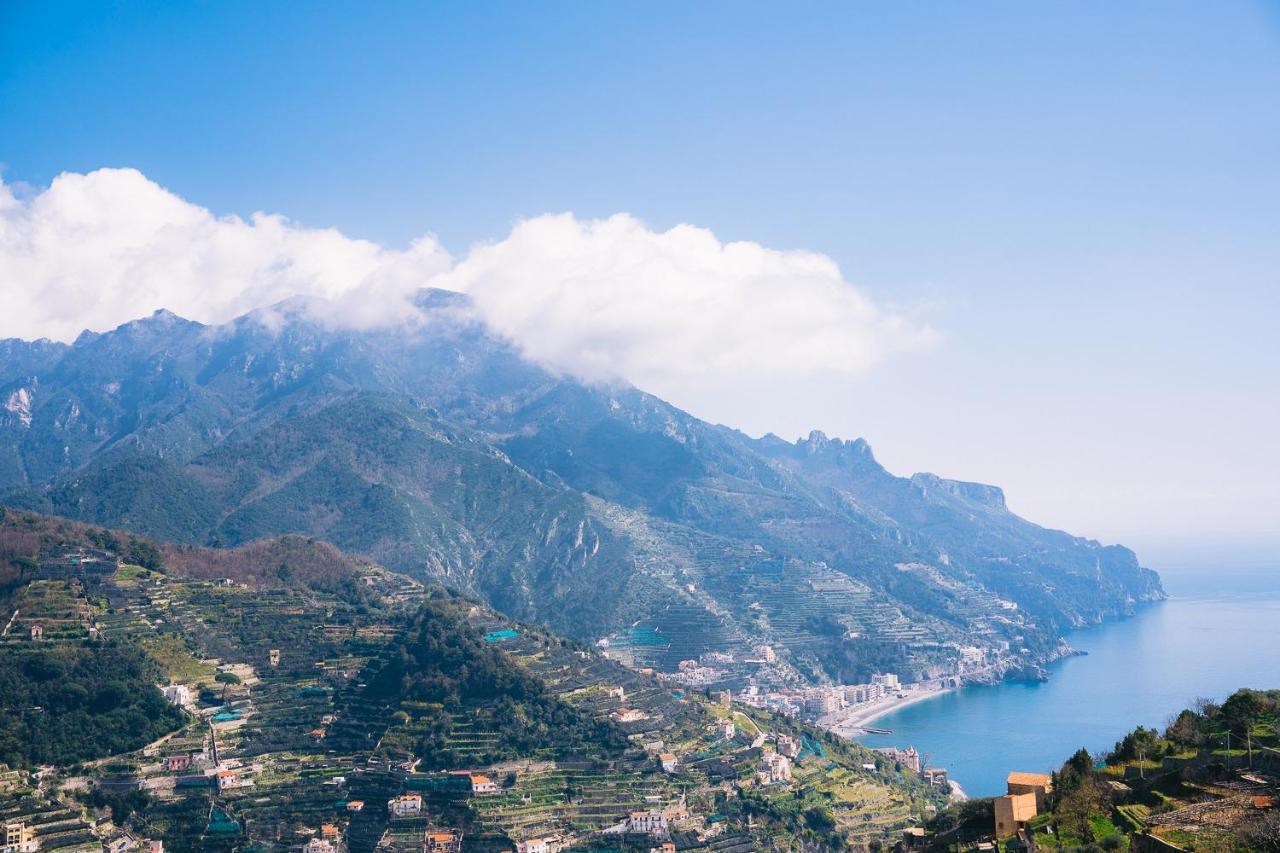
<point x="437" y="449"/>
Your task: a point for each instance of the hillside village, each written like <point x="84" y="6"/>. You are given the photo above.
<point x="291" y="729"/>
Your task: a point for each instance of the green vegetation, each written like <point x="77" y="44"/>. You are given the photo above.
<point x="322" y="680"/>
<point x="73" y="704"/>
<point x="175" y="660"/>
<point x="443" y="663"/>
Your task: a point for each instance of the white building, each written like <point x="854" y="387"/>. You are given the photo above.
<point x="887" y="680"/>
<point x="857" y="694"/>
<point x="652" y="822"/>
<point x="408" y="805"/>
<point x="534" y="845"/>
<point x="821" y="701"/>
<point x="178" y="694"/>
<point x="483" y="785"/>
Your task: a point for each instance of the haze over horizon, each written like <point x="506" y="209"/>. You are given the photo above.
<point x="1077" y="306"/>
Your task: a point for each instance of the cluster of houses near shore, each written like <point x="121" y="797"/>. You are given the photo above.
<point x="815" y="702"/>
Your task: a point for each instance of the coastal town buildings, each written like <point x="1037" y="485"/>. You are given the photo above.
<point x="888" y="680"/>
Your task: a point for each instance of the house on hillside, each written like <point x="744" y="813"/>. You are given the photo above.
<point x="19" y="838"/>
<point x="1039" y="784"/>
<point x="406" y="805"/>
<point x="226" y="779"/>
<point x="773" y="768"/>
<point x="534" y="845"/>
<point x="441" y="841"/>
<point x="37" y="633"/>
<point x="1027" y="796"/>
<point x="669" y="762"/>
<point x="482" y="785"/>
<point x="628" y="715"/>
<point x="787" y="745"/>
<point x="651" y="822"/>
<point x="1012" y="813"/>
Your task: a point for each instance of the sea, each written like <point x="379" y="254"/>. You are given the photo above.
<point x="1218" y="631"/>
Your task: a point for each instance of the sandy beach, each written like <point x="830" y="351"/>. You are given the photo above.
<point x="853" y="721"/>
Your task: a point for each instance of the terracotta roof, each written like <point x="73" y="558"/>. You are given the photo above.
<point x="1017" y="778"/>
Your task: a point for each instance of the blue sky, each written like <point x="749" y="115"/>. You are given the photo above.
<point x="1082" y="198"/>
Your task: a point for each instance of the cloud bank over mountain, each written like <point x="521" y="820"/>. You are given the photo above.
<point x="600" y="299"/>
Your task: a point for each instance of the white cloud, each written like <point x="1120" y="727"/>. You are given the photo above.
<point x="600" y="299"/>
<point x="611" y="298"/>
<point x="97" y="250"/>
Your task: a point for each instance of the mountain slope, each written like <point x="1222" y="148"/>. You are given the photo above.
<point x="438" y="451"/>
<point x="315" y="688"/>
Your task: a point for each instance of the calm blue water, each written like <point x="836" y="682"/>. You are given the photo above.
<point x="1217" y="632"/>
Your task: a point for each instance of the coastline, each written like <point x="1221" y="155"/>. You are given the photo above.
<point x="853" y="721"/>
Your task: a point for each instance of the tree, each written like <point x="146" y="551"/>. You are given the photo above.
<point x="1077" y="806"/>
<point x="1141" y="743"/>
<point x="1188" y="730"/>
<point x="1241" y="711"/>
